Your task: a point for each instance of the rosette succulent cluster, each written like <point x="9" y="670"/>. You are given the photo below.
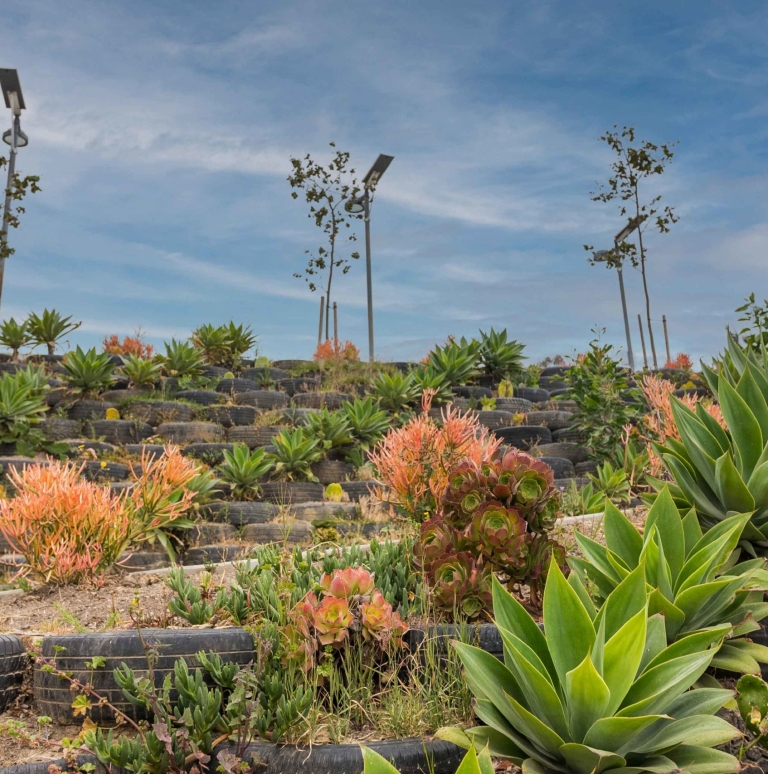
<point x="493" y="518"/>
<point x="347" y="606"/>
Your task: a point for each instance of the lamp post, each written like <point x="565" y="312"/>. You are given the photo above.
<point x="15" y="138"/>
<point x="362" y="205"/>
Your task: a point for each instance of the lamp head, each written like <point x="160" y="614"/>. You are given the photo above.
<point x="354" y="206"/>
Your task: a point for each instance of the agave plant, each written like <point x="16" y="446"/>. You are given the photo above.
<point x="14" y="336"/>
<point x="140" y="372"/>
<point x="212" y="342"/>
<point x="88" y="372"/>
<point x="240" y="339"/>
<point x="329" y="428"/>
<point x="49" y="327"/>
<point x="244" y="469"/>
<point x="295" y="452"/>
<point x="692" y="578"/>
<point x="473" y="763"/>
<point x="396" y="391"/>
<point x="612" y="482"/>
<point x="367" y="422"/>
<point x="500" y="358"/>
<point x="427" y="377"/>
<point x="597" y="695"/>
<point x="181" y="359"/>
<point x="20" y="407"/>
<point x="457" y="361"/>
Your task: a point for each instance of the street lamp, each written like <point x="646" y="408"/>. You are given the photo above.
<point x="602" y="256"/>
<point x="362" y="205"/>
<point x="15" y="138"/>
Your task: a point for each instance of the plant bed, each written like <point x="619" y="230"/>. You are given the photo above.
<point x="494" y="419"/>
<point x="229" y="416"/>
<point x="54" y="696"/>
<point x="524" y="436"/>
<point x="296" y="366"/>
<point x="149" y="450"/>
<point x="94" y="470"/>
<point x="358" y="489"/>
<point x="333" y="471"/>
<point x="297" y="417"/>
<point x="240" y="514"/>
<point x="87" y="409"/>
<point x="114" y="397"/>
<point x="206" y="533"/>
<point x="322" y="510"/>
<point x="568" y="451"/>
<point x="291" y="492"/>
<point x="210" y="453"/>
<point x="317" y="400"/>
<point x="257" y="374"/>
<point x="289" y="532"/>
<point x="79" y="445"/>
<point x="191" y="432"/>
<point x="554" y="420"/>
<point x="57" y="429"/>
<point x="533" y="394"/>
<point x="157" y="412"/>
<point x="203" y="397"/>
<point x="213" y="554"/>
<point x="293" y="386"/>
<point x="119" y="431"/>
<point x="515" y="405"/>
<point x="262" y="399"/>
<point x="253" y="436"/>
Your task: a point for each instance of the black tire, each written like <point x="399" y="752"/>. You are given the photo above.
<point x="134" y="561"/>
<point x="558" y="405"/>
<point x="239" y="513"/>
<point x="55" y="429"/>
<point x="88" y="409"/>
<point x="11" y="368"/>
<point x="484" y="636"/>
<point x="358" y="489"/>
<point x="533" y="394"/>
<point x="554" y="370"/>
<point x="13" y="664"/>
<point x="119" y="431"/>
<point x="207" y="533"/>
<point x="515" y="405"/>
<point x="214" y="372"/>
<point x="494" y="419"/>
<point x="561" y="467"/>
<point x="151" y="450"/>
<point x="253" y="435"/>
<point x="289" y="492"/>
<point x="262" y="399"/>
<point x="551" y="383"/>
<point x="191" y="432"/>
<point x="292" y="386"/>
<point x="569" y="435"/>
<point x="209" y="453"/>
<point x="558" y="391"/>
<point x="554" y="420"/>
<point x="472" y="391"/>
<point x="290" y="532"/>
<point x="333" y="471"/>
<point x="461" y="403"/>
<point x="113" y="397"/>
<point x="408" y="756"/>
<point x="318" y="400"/>
<point x="105" y="471"/>
<point x="216" y="554"/>
<point x="256" y="374"/>
<point x="585" y="468"/>
<point x="156" y="412"/>
<point x="203" y="397"/>
<point x="53" y="694"/>
<point x="307" y="366"/>
<point x="44" y="767"/>
<point x="231" y="386"/>
<point x="568" y="451"/>
<point x="312" y="512"/>
<point x="524" y="436"/>
<point x="297" y="417"/>
<point x="55" y="396"/>
<point x="228" y="416"/>
<point x="76" y="445"/>
<point x="698" y="392"/>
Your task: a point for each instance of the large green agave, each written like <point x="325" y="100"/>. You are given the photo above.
<point x="597" y="695"/>
<point x="718" y="472"/>
<point x="692" y="579"/>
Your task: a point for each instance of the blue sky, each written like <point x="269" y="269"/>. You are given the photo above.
<point x="162" y="133"/>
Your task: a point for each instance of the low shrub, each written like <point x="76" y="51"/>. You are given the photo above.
<point x="336" y="350"/>
<point x="130" y="345"/>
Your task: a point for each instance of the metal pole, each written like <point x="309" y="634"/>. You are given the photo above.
<point x="642" y="340"/>
<point x="320" y="329"/>
<point x="369" y="279"/>
<point x="7" y="207"/>
<point x="666" y="336"/>
<point x="630" y="355"/>
<point x="335" y="324"/>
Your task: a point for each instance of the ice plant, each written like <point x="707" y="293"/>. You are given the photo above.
<point x="414" y="461"/>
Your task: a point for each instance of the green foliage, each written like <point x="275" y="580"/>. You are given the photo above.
<point x="49" y="327"/>
<point x="181" y="359"/>
<point x="295" y="453"/>
<point x="88" y="372"/>
<point x="192" y="601"/>
<point x="329" y="428"/>
<point x="755" y="333"/>
<point x="396" y="392"/>
<point x="142" y="373"/>
<point x="427" y="377"/>
<point x="579" y="501"/>
<point x="752" y="701"/>
<point x="18" y="188"/>
<point x="225" y="344"/>
<point x="693" y="579"/>
<point x="500" y="358"/>
<point x="244" y="469"/>
<point x="612" y="482"/>
<point x="597" y="382"/>
<point x="240" y="339"/>
<point x="14" y="336"/>
<point x="473" y="762"/>
<point x="367" y="422"/>
<point x="600" y="695"/>
<point x="457" y="361"/>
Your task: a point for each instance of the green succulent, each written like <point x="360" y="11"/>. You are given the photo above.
<point x="367" y="422"/>
<point x="473" y="762"/>
<point x="49" y="327"/>
<point x="295" y="453"/>
<point x="597" y="695"/>
<point x="395" y="392"/>
<point x="427" y="377"/>
<point x="181" y="359"/>
<point x="457" y="361"/>
<point x="240" y="339"/>
<point x="140" y="372"/>
<point x="212" y="342"/>
<point x="612" y="482"/>
<point x="329" y="428"/>
<point x="500" y="358"/>
<point x="14" y="336"/>
<point x="692" y="577"/>
<point x="244" y="469"/>
<point x="88" y="372"/>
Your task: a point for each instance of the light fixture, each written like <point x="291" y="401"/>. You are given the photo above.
<point x="11" y="88"/>
<point x="601" y="255"/>
<point x="377" y="170"/>
<point x="355" y="206"/>
<point x="21" y="139"/>
<point x="628" y="229"/>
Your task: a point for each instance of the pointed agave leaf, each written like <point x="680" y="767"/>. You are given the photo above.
<point x="692" y="490"/>
<point x="621" y="661"/>
<point x="703" y="730"/>
<point x="498" y="745"/>
<point x="627" y="599"/>
<point x="488" y="714"/>
<point x="598" y="555"/>
<point x="713" y="426"/>
<point x="745" y="429"/>
<point x="748" y="390"/>
<point x="691" y="530"/>
<point x="758" y="485"/>
<point x="702" y="604"/>
<point x="669" y="526"/>
<point x="613" y="734"/>
<point x="373" y="763"/>
<point x="693" y="431"/>
<point x="702" y="760"/>
<point x="655" y="640"/>
<point x="587" y="571"/>
<point x="663" y="573"/>
<point x="540" y="734"/>
<point x="621" y="536"/>
<point x="754" y="649"/>
<point x="486" y="676"/>
<point x="711" y="377"/>
<point x="531" y="766"/>
<point x="697" y="642"/>
<point x="674" y="618"/>
<point x="734" y="660"/>
<point x="699" y="701"/>
<point x="575" y="582"/>
<point x="570" y="634"/>
<point x="587" y="760"/>
<point x="587" y="698"/>
<point x="730" y="487"/>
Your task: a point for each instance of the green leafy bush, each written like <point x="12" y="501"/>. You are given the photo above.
<point x="181" y="359"/>
<point x="427" y="377"/>
<point x="88" y="372"/>
<point x="140" y="372"/>
<point x="295" y="453"/>
<point x="49" y="327"/>
<point x="367" y="422"/>
<point x="457" y="361"/>
<point x="223" y="344"/>
<point x="244" y="469"/>
<point x="396" y="392"/>
<point x="329" y="428"/>
<point x="14" y="336"/>
<point x="500" y="358"/>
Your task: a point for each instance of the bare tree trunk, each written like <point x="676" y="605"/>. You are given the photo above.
<point x="645" y="283"/>
<point x="330" y="280"/>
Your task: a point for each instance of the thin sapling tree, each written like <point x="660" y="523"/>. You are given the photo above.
<point x="634" y="165"/>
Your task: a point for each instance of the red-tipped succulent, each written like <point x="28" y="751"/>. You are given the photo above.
<point x="499" y="534"/>
<point x="349" y="582"/>
<point x="380" y="622"/>
<point x="332" y="619"/>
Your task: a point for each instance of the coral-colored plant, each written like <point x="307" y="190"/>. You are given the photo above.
<point x="336" y="351"/>
<point x="332" y="618"/>
<point x="130" y="345"/>
<point x="349" y="582"/>
<point x="682" y="361"/>
<point x="414" y="461"/>
<point x="67" y="529"/>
